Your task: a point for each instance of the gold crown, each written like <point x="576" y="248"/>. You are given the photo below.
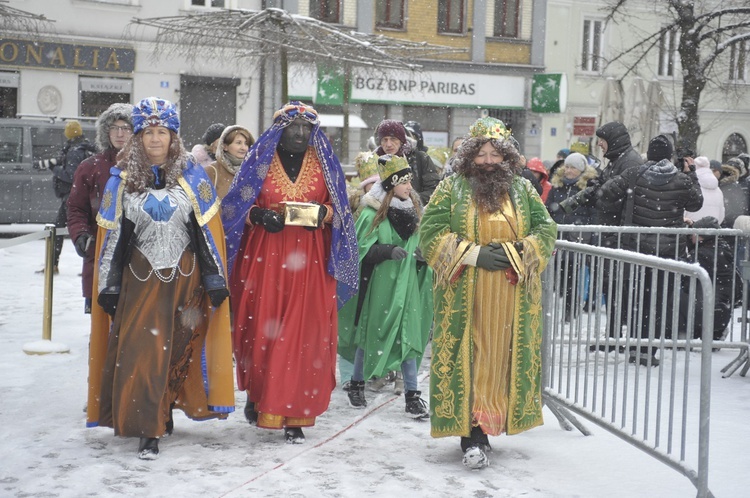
<point x="367" y="165"/>
<point x="489" y="128"/>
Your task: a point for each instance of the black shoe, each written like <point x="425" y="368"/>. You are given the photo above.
<point x="476" y="437"/>
<point x="250" y="414"/>
<point x="294" y="435"/>
<point x="416" y="407"/>
<point x="148" y="449"/>
<point x="357" y="394"/>
<point x="170" y="423"/>
<point x="346" y="385"/>
<point x="644" y="359"/>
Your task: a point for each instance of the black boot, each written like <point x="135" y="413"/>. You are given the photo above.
<point x="250" y="414"/>
<point x="170" y="422"/>
<point x="294" y="435"/>
<point x="475" y="448"/>
<point x="357" y="394"/>
<point x="148" y="449"/>
<point x="416" y="407"/>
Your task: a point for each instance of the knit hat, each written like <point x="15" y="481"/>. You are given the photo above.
<point x="391" y="128"/>
<point x="659" y="148"/>
<point x="212" y="133"/>
<point x="73" y="129"/>
<point x="563" y="153"/>
<point x="714" y="165"/>
<point x="154" y="111"/>
<point x="706" y="222"/>
<point x="576" y="160"/>
<point x="393" y="170"/>
<point x="701" y="162"/>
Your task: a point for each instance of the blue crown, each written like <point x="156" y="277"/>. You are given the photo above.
<point x="155" y="112"/>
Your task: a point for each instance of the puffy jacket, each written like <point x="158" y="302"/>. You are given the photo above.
<point x="713" y="198"/>
<point x="662" y="193"/>
<point x="621" y="156"/>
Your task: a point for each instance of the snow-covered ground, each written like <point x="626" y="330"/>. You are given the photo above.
<point x="47" y="451"/>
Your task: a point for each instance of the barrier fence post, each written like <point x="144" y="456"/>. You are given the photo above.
<point x="46" y="346"/>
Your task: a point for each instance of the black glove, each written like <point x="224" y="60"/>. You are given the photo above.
<point x="321" y="216"/>
<point x="492" y="258"/>
<point x="108" y="302"/>
<point x="217" y="296"/>
<point x="418" y="255"/>
<point x="595" y="182"/>
<point x="272" y="221"/>
<point x="82" y="244"/>
<point x="398" y="253"/>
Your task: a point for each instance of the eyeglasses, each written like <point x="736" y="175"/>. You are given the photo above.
<point x="124" y="129"/>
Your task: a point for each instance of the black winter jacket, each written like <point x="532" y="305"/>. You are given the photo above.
<point x="425" y="175"/>
<point x="662" y="193"/>
<point x="621" y="156"/>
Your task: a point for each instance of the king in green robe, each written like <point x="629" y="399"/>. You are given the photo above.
<point x="486" y="350"/>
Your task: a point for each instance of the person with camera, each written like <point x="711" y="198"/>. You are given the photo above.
<point x="655" y="194"/>
<point x="567" y="183"/>
<point x="63" y="167"/>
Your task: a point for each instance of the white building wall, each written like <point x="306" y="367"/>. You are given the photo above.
<point x="720" y="115"/>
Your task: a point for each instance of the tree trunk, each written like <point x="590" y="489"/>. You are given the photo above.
<point x="693" y="76"/>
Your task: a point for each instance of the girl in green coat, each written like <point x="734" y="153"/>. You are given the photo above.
<point x="387" y="326"/>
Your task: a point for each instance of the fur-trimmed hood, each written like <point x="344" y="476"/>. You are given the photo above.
<point x="107" y="118"/>
<point x="588" y="174"/>
<point x="375" y="197"/>
<point x="729" y="174"/>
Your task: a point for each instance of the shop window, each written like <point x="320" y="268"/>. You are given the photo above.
<point x="95" y="103"/>
<point x="326" y="10"/>
<point x="451" y="16"/>
<point x="734" y="145"/>
<point x="208" y="3"/>
<point x="389" y="14"/>
<point x="739" y="66"/>
<point x="11" y="144"/>
<point x="591" y="53"/>
<point x="669" y="41"/>
<point x="506" y="18"/>
<point x="8" y="102"/>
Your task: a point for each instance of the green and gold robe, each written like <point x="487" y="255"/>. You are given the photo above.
<point x="474" y="306"/>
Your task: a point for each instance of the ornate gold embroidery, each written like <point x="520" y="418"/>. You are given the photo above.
<point x="107" y="200"/>
<point x="295" y="191"/>
<point x="205" y="191"/>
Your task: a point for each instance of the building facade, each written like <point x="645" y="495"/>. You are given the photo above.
<point x="90" y="56"/>
<point x="581" y="44"/>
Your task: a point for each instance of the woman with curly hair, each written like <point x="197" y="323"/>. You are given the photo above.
<point x="162" y="278"/>
<point x="487" y="236"/>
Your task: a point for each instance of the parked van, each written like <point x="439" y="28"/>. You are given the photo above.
<point x="26" y="194"/>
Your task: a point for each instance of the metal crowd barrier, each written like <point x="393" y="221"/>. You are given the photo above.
<point x="636" y="382"/>
<point x="736" y="334"/>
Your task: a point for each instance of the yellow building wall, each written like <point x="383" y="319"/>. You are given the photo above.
<point x="421" y="26"/>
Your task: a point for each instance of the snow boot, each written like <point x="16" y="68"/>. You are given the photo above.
<point x="475" y="457"/>
<point x="250" y="414"/>
<point x="148" y="449"/>
<point x="170" y="422"/>
<point x="294" y="435"/>
<point x="357" y="394"/>
<point x="416" y="407"/>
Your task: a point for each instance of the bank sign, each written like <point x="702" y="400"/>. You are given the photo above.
<point x="436" y="88"/>
<point x="66" y="56"/>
